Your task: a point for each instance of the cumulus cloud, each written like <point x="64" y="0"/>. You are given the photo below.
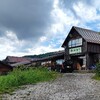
<point x="23" y="24"/>
<point x="28" y="19"/>
<point x="39" y="26"/>
<point x="83" y="10"/>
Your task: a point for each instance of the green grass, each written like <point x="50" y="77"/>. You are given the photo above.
<point x="17" y="78"/>
<point x="97" y="72"/>
<point x="96" y="77"/>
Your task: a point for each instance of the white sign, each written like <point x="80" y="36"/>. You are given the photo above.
<point x="75" y="50"/>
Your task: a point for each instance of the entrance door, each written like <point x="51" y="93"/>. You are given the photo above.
<point x="77" y="63"/>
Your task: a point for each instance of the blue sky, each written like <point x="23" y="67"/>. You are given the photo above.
<point x="29" y="27"/>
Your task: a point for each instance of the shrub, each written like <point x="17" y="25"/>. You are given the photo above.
<point x="98" y="69"/>
<point x="22" y="77"/>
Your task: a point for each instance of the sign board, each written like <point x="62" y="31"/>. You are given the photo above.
<point x="75" y="50"/>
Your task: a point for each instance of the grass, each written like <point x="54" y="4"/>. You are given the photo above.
<point x="96" y="77"/>
<point x="97" y="72"/>
<point x="17" y="78"/>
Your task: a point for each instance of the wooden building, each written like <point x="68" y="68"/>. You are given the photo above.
<point x="54" y="60"/>
<point x="5" y="68"/>
<point x="82" y="47"/>
<point x="58" y="55"/>
<point x="14" y="60"/>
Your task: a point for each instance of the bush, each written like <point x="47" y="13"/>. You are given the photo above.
<point x="19" y="77"/>
<point x="98" y="69"/>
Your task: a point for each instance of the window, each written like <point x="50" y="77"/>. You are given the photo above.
<point x="69" y="44"/>
<point x="79" y="42"/>
<point x="75" y="42"/>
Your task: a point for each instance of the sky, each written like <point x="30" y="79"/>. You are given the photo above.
<point x="29" y="27"/>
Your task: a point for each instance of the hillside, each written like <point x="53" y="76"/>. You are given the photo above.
<point x="43" y="55"/>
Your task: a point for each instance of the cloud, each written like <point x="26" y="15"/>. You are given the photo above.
<point x="11" y="45"/>
<point x="39" y="26"/>
<point x="83" y="10"/>
<point x="23" y="25"/>
<point x="68" y="13"/>
<point x="62" y="22"/>
<point x="89" y="12"/>
<point x="42" y="49"/>
<point x="28" y="19"/>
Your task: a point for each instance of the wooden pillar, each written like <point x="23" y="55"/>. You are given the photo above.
<point x="99" y="57"/>
<point x="84" y="63"/>
<point x="87" y="57"/>
<point x="87" y="61"/>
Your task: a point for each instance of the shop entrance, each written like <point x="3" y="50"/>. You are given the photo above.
<point x="79" y="62"/>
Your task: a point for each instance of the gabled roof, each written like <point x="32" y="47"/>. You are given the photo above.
<point x="88" y="35"/>
<point x="13" y="59"/>
<point x="21" y="63"/>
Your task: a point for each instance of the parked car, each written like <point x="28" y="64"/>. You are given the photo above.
<point x="67" y="66"/>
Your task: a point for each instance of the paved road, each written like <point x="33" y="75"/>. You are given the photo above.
<point x="73" y="86"/>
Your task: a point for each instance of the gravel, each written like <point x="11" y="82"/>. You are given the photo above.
<point x="71" y="86"/>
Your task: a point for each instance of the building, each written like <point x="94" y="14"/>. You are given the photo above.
<point x="25" y="63"/>
<point x="53" y="61"/>
<point x="82" y="47"/>
<point x="14" y="60"/>
<point x="56" y="57"/>
<point x="5" y="68"/>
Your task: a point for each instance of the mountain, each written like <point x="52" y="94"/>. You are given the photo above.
<point x="43" y="55"/>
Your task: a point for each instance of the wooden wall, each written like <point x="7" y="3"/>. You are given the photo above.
<point x="93" y="48"/>
<point x="5" y="68"/>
